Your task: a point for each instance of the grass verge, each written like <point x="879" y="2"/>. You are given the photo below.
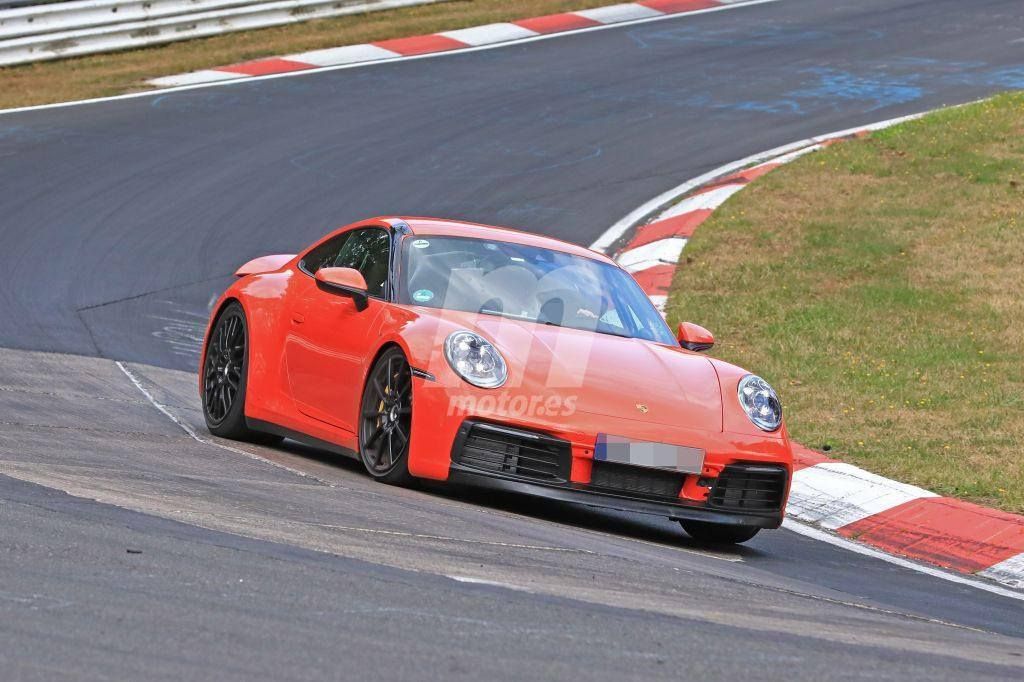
<point x="120" y="72"/>
<point x="880" y="285"/>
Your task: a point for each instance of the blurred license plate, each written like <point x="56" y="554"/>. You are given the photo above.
<point x="622" y="450"/>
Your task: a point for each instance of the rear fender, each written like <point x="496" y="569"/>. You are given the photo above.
<point x="264" y="264"/>
<point x="261" y="298"/>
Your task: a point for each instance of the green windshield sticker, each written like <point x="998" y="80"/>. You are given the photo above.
<point x="422" y="295"/>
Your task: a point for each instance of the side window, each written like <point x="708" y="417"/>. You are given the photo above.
<point x="324" y="255"/>
<point x="367" y="250"/>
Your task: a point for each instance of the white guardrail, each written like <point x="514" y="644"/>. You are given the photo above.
<point x="67" y="29"/>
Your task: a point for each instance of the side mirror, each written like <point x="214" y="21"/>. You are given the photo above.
<point x="345" y="282"/>
<point x="694" y="337"/>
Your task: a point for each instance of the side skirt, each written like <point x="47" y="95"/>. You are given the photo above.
<point x="298" y="436"/>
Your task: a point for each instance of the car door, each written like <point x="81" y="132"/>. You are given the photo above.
<point x="329" y="337"/>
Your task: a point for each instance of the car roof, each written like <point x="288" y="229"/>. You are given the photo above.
<point x="455" y="228"/>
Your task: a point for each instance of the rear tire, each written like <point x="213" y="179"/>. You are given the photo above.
<point x="225" y="376"/>
<point x="385" y="419"/>
<point x="717" y="533"/>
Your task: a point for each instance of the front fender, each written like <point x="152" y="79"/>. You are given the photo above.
<point x="734" y="419"/>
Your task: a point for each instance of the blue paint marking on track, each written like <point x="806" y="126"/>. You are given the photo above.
<point x="777" y="107"/>
<point x="873" y="86"/>
<point x="1012" y="77"/>
<point x="880" y="91"/>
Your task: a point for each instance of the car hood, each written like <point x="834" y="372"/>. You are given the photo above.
<point x="603" y="374"/>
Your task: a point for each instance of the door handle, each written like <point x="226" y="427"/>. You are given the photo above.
<point x="297" y="318"/>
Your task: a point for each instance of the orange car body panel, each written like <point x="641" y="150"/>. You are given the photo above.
<point x="264" y="264"/>
<point x="305" y="377"/>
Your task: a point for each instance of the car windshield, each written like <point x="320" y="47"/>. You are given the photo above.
<point x="527" y="283"/>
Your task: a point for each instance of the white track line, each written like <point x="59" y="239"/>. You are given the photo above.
<point x="489" y="583"/>
<point x="431" y="55"/>
<point x="206" y="441"/>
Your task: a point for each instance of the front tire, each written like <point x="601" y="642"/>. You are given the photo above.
<point x="717" y="533"/>
<point x="225" y="378"/>
<point x="385" y="419"/>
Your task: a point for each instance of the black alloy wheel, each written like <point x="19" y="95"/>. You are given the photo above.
<point x="225" y="376"/>
<point x="385" y="422"/>
<point x="222" y="371"/>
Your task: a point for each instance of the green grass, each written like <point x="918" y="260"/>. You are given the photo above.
<point x="879" y="285"/>
<point x="120" y="72"/>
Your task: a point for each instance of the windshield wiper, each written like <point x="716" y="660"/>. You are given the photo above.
<point x="513" y="316"/>
<point x="621" y="336"/>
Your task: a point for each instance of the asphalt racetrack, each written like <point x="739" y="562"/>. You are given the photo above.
<point x="132" y="550"/>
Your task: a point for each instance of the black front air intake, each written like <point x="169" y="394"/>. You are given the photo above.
<point x="749" y="488"/>
<point x="505" y="450"/>
<point x="636" y="481"/>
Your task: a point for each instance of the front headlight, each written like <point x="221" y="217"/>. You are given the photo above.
<point x="760" y="403"/>
<point x="475" y="359"/>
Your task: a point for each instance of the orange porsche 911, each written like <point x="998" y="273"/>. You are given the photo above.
<point x="442" y="350"/>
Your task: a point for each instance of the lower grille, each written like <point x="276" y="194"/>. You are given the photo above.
<point x="634" y="480"/>
<point x="749" y="487"/>
<point x="513" y="451"/>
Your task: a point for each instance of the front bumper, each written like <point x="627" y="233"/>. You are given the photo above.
<point x="499" y="456"/>
<point x="578" y="493"/>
